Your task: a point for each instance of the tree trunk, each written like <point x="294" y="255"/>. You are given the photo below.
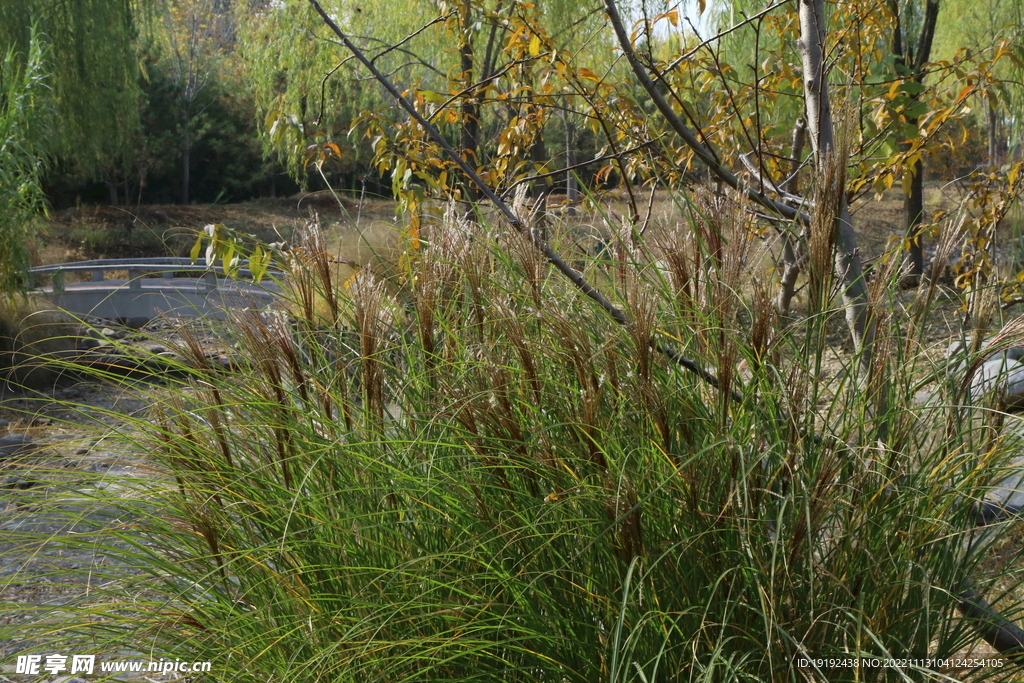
<point x="904" y="60"/>
<point x="470" y="106"/>
<point x="913" y="206"/>
<point x="572" y="192"/>
<point x="791" y="256"/>
<point x="539" y="155"/>
<point x="186" y="160"/>
<point x="111" y="191"/>
<point x="819" y="122"/>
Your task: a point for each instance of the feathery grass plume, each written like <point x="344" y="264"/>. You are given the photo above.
<point x="435" y="276"/>
<point x="510" y="325"/>
<point x="550" y="503"/>
<point x="951" y="234"/>
<point x="311" y="247"/>
<point x="677" y="245"/>
<point x="764" y="325"/>
<point x="524" y="246"/>
<point x="586" y="406"/>
<point x="372" y="318"/>
<point x="827" y="198"/>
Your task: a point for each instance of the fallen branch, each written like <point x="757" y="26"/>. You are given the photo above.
<point x="1000" y="633"/>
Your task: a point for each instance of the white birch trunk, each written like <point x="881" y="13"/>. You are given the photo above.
<point x="819" y="122"/>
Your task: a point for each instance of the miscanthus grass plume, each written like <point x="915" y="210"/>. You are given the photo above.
<point x="468" y="473"/>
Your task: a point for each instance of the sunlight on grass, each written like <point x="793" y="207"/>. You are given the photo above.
<point x="456" y="468"/>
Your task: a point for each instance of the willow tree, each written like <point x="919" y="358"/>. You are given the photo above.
<point x="310" y="97"/>
<point x="92" y="73"/>
<point x="23" y="125"/>
<point x="293" y="74"/>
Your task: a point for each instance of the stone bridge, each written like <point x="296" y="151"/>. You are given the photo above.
<point x="154" y="286"/>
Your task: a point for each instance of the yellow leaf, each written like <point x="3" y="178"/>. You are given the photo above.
<point x="194" y="252"/>
<point x="534" y="46"/>
<point x="435" y="97"/>
<point x="588" y="74"/>
<point x="703" y="6"/>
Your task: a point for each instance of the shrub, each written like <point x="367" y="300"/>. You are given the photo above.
<point x="471" y="474"/>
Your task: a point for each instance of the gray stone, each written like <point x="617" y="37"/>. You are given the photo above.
<point x="957" y="359"/>
<point x="18" y="482"/>
<point x="14" y="445"/>
<point x="1002" y="377"/>
<point x="87" y="447"/>
<point x="87" y="343"/>
<point x="157" y="349"/>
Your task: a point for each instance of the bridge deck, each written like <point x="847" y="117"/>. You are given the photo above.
<point x="139" y="299"/>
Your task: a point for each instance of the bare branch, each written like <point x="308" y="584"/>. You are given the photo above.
<point x="683" y="131"/>
<point x="566" y="169"/>
<point x="571" y="274"/>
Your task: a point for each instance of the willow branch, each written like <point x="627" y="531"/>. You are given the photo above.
<point x="726" y="32"/>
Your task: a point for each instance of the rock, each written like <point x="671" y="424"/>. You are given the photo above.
<point x="87" y="447"/>
<point x="88" y="343"/>
<point x="157" y="349"/>
<point x="958" y="360"/>
<point x="1000" y="376"/>
<point x="13" y="445"/>
<point x="35" y="345"/>
<point x="18" y="483"/>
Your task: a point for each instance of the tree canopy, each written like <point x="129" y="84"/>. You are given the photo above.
<point x="92" y="67"/>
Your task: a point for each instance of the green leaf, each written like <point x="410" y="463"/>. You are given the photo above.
<point x="258" y="263"/>
<point x="913" y="88"/>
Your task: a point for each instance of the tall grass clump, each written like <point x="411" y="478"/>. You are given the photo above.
<point x="471" y="473"/>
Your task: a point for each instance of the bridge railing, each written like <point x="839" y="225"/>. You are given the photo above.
<point x="138" y="267"/>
